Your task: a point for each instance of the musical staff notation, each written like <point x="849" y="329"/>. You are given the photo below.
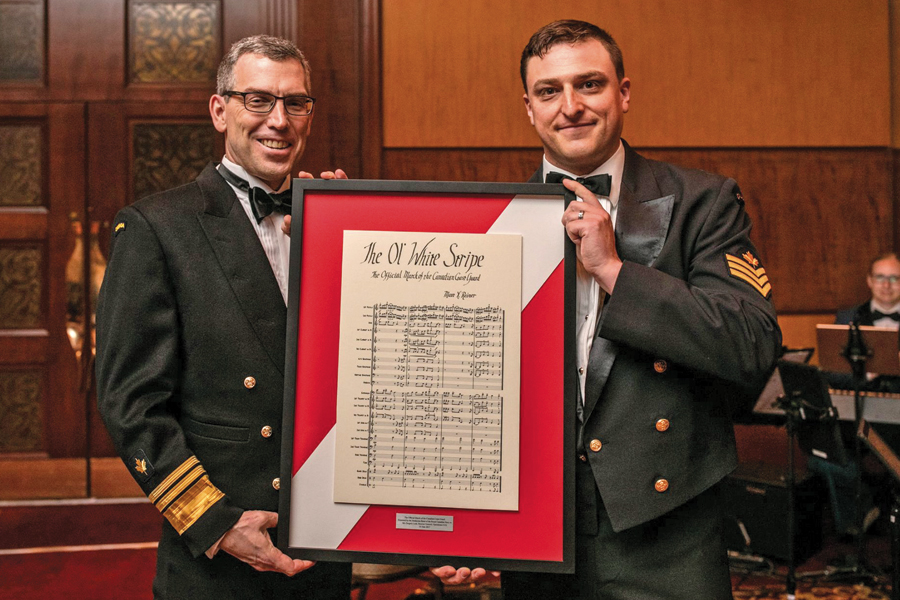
<point x="422" y="432"/>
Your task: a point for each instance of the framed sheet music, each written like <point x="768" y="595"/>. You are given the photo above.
<point x="430" y="383"/>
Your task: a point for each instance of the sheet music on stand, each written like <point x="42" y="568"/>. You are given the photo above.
<point x="765" y="411"/>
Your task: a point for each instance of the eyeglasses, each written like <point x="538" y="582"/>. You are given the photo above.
<point x="892" y="279"/>
<point x="261" y="102"/>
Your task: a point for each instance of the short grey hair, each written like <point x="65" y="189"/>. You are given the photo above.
<point x="273" y="48"/>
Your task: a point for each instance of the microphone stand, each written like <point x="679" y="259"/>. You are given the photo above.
<point x="795" y="410"/>
<point x="857" y="353"/>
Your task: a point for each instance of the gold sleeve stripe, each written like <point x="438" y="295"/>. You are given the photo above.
<point x="755" y="277"/>
<point x="185" y="511"/>
<point x="180" y="487"/>
<point x="763" y="289"/>
<point x="737" y="271"/>
<point x="736" y="263"/>
<point x="172" y="478"/>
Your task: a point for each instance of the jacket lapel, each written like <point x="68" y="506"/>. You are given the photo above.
<point x="244" y="263"/>
<point x="641" y="224"/>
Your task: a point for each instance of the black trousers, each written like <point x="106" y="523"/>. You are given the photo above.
<point x="680" y="555"/>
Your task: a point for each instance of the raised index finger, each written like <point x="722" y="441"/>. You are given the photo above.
<point x="582" y="192"/>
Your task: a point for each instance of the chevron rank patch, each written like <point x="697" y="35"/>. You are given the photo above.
<point x="746" y="267"/>
<point x="120" y="226"/>
<point x="141" y="465"/>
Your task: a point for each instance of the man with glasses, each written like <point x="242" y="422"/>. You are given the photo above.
<point x="883" y="309"/>
<point x="191" y="338"/>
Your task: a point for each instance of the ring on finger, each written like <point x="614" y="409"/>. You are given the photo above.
<point x="580" y="214"/>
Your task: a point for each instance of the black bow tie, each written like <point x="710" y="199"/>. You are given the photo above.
<point x="880" y="315"/>
<point x="262" y="203"/>
<point x="598" y="184"/>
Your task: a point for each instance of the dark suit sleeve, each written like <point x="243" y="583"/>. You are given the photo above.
<point x="138" y="374"/>
<point x="712" y="313"/>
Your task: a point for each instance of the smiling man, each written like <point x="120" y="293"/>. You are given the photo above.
<point x="674" y="324"/>
<point x="883" y="308"/>
<point x="190" y="342"/>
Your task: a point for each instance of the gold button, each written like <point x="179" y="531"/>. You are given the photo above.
<point x="660" y="366"/>
<point x="582" y="457"/>
<point x="596" y="445"/>
<point x="661" y="485"/>
<point x="581" y="370"/>
<point x="276" y="483"/>
<point x="249" y="382"/>
<point x="662" y="425"/>
<point x="266" y="431"/>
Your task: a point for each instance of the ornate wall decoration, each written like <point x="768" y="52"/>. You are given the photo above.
<point x="20" y="287"/>
<point x="175" y="42"/>
<point x="20" y="411"/>
<point x="167" y="155"/>
<point x="22" y="41"/>
<point x="20" y="164"/>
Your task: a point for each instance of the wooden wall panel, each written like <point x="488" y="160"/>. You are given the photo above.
<point x="37" y="478"/>
<point x="330" y="37"/>
<point x="894" y="8"/>
<point x="799" y="331"/>
<point x="710" y="73"/>
<point x="819" y="215"/>
<point x="460" y="165"/>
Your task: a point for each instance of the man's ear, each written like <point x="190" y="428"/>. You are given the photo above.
<point x="528" y="108"/>
<point x="217" y="112"/>
<point x="625" y="93"/>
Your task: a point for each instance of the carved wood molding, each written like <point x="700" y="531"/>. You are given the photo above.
<point x="280" y="18"/>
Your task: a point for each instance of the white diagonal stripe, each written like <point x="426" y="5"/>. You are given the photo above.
<point x="538" y="220"/>
<point x="322" y="523"/>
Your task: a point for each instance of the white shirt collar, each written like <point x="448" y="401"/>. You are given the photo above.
<point x="886" y="310"/>
<point x="614" y="167"/>
<point x="253" y="181"/>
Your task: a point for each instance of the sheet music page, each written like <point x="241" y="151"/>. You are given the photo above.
<point x="428" y="372"/>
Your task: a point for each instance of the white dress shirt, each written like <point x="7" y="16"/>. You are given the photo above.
<point x="589" y="296"/>
<point x="885" y="321"/>
<point x="275" y="243"/>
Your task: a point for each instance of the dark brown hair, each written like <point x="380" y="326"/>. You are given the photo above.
<point x="569" y="32"/>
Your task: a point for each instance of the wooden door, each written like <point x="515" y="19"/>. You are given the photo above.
<point x="101" y="103"/>
<point x="43" y="381"/>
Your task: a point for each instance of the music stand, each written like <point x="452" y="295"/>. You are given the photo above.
<point x="891" y="461"/>
<point x="766" y="410"/>
<point x="811" y="421"/>
<point x="859" y="349"/>
<point x="882" y="343"/>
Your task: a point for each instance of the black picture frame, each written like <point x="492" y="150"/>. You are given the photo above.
<point x="324" y="208"/>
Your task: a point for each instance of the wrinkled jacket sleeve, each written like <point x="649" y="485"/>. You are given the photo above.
<point x="138" y="374"/>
